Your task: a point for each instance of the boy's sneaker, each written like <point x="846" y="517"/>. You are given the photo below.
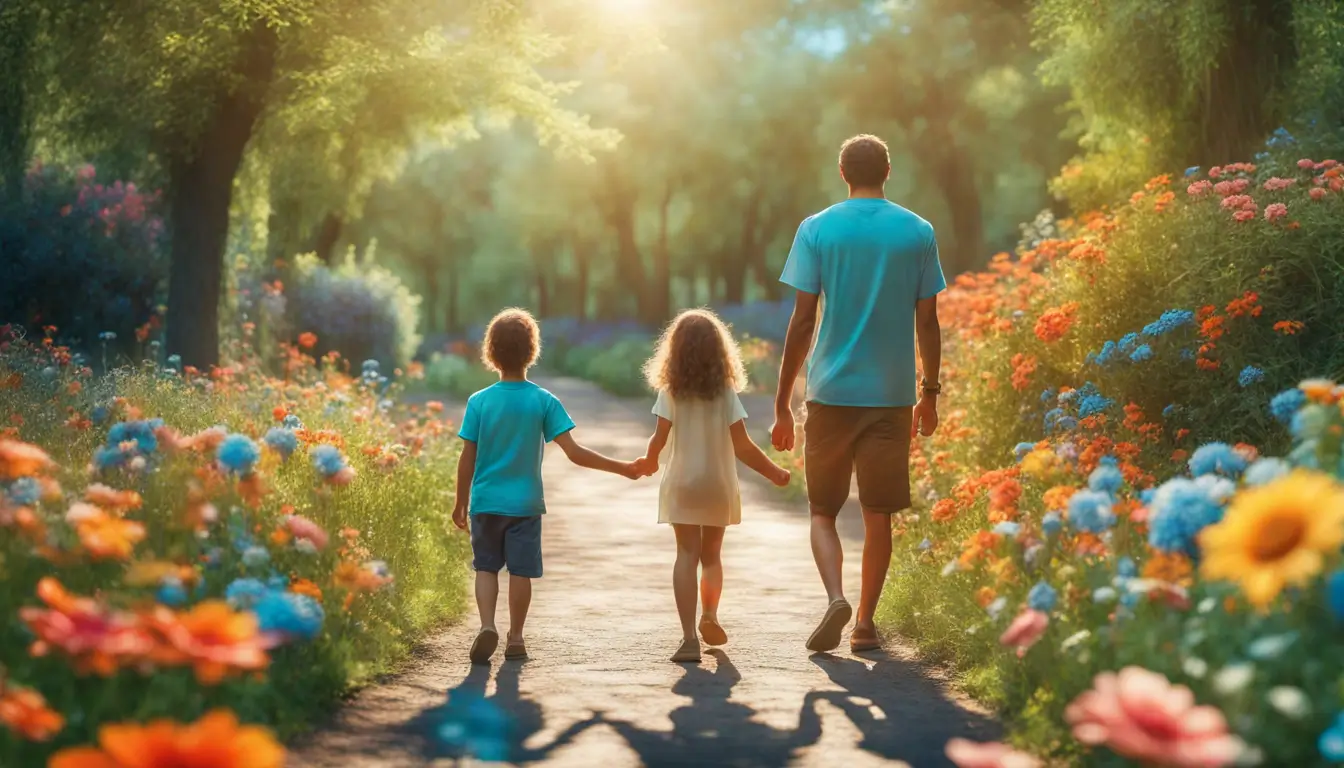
<point x="483" y="647"/>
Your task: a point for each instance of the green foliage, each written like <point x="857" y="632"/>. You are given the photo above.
<point x="396" y="505"/>
<point x="358" y="308"/>
<point x="455" y="376"/>
<point x="616" y="366"/>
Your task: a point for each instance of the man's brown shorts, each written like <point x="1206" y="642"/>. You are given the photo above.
<point x="841" y="441"/>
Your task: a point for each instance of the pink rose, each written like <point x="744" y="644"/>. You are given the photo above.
<point x="306" y="529"/>
<point x="969" y="754"/>
<point x="1025" y="630"/>
<point x="1139" y="714"/>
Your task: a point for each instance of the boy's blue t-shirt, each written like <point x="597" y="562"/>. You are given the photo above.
<point x="871" y="260"/>
<point x="510" y="423"/>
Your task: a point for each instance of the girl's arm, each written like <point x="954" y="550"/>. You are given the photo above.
<point x="590" y="459"/>
<point x="648" y="464"/>
<point x="466" y="472"/>
<point x="751" y="454"/>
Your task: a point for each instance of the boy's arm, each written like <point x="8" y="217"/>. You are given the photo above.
<point x="649" y="463"/>
<point x="751" y="454"/>
<point x="590" y="459"/>
<point x="466" y="472"/>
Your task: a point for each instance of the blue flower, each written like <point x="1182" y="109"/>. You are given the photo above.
<point x="1188" y="355"/>
<point x="1125" y="568"/>
<point x="238" y="454"/>
<point x="282" y="440"/>
<point x="1067" y="397"/>
<point x="1007" y="528"/>
<point x="1105" y="478"/>
<point x="242" y="594"/>
<point x="256" y="557"/>
<point x="171" y="593"/>
<point x="1264" y="471"/>
<point x="1191" y="171"/>
<point x="1093" y="404"/>
<point x="1106" y="355"/>
<point x="1091" y="511"/>
<point x="1250" y="375"/>
<point x="925" y="545"/>
<point x="1142" y="354"/>
<point x="289" y="614"/>
<point x="1280" y="138"/>
<point x="1219" y="458"/>
<point x="1182" y="508"/>
<point x="370" y="366"/>
<point x="1169" y="411"/>
<point x="141" y="433"/>
<point x="291" y="422"/>
<point x="1169" y="321"/>
<point x="109" y="458"/>
<point x="1042" y="597"/>
<point x="1334" y="590"/>
<point x="1310" y="422"/>
<point x="1286" y="404"/>
<point x="1051" y="523"/>
<point x="25" y="491"/>
<point x="1047" y="395"/>
<point x="1022" y="449"/>
<point x="99" y="414"/>
<point x="1331" y="743"/>
<point x="327" y="459"/>
<point x="1128" y="342"/>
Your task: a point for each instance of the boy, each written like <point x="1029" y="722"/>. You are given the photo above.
<point x="505" y="428"/>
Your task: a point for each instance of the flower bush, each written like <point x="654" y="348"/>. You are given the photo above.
<point x="1125" y="539"/>
<point x="184" y="545"/>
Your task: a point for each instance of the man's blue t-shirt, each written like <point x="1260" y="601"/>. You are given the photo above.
<point x="510" y="423"/>
<point x="871" y="260"/>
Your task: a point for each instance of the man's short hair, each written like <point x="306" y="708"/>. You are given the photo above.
<point x="865" y="162"/>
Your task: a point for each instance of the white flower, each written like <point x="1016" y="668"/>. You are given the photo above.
<point x="1073" y="640"/>
<point x="1206" y="605"/>
<point x="1271" y="646"/>
<point x="1233" y="678"/>
<point x="996" y="608"/>
<point x="951" y="568"/>
<point x="1195" y="667"/>
<point x="1291" y="702"/>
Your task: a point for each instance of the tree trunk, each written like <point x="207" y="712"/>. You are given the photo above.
<point x="201" y="188"/>
<point x="581" y="278"/>
<point x="660" y="298"/>
<point x="734" y="270"/>
<point x="17" y="30"/>
<point x="327" y="236"/>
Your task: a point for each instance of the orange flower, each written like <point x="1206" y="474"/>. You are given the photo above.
<point x="279" y="413"/>
<point x="111" y="498"/>
<point x="1289" y="327"/>
<point x="104" y="536"/>
<point x="217" y="740"/>
<point x="212" y="638"/>
<point x="96" y="638"/>
<point x="26" y="713"/>
<point x="1055" y="322"/>
<point x="984" y="596"/>
<point x="22" y="460"/>
<point x="306" y="587"/>
<point x="1173" y="568"/>
<point x="1023" y="367"/>
<point x="1057" y="499"/>
<point x="1248" y="304"/>
<point x="307" y="339"/>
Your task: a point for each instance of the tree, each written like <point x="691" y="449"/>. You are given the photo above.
<point x="194" y="83"/>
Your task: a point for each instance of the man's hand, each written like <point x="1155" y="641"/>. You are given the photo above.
<point x="645" y="466"/>
<point x="782" y="433"/>
<point x="925" y="421"/>
<point x="460" y="517"/>
<point x="632" y="470"/>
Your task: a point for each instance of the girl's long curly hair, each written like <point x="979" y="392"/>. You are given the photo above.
<point x="696" y="358"/>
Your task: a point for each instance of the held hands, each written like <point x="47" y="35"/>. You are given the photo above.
<point x="780" y="476"/>
<point x="925" y="420"/>
<point x="641" y="467"/>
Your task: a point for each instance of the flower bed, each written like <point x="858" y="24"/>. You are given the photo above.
<point x="1102" y="547"/>
<point x="176" y="543"/>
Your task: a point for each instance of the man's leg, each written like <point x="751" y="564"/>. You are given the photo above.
<point x="828" y="452"/>
<point x="828" y="554"/>
<point x="882" y="466"/>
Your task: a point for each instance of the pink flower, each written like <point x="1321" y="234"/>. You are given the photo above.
<point x="1199" y="188"/>
<point x="1231" y="187"/>
<point x="969" y="754"/>
<point x="1275" y="211"/>
<point x="307" y="530"/>
<point x="343" y="477"/>
<point x="1139" y="714"/>
<point x="1244" y="215"/>
<point x="1025" y="630"/>
<point x="1238" y="202"/>
<point x="1318" y="193"/>
<point x="1276" y="184"/>
<point x="1305" y="164"/>
<point x="1215" y="172"/>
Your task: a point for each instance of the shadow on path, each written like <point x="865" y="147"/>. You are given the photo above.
<point x="494" y="728"/>
<point x="711" y="730"/>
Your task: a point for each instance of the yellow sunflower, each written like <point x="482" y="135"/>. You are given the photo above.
<point x="1275" y="535"/>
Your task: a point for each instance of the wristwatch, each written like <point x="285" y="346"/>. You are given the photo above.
<point x="930" y="387"/>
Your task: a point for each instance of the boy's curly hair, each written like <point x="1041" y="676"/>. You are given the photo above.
<point x="696" y="358"/>
<point x="512" y="342"/>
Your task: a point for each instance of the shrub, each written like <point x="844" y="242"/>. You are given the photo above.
<point x="1095" y="498"/>
<point x="456" y="375"/>
<point x="295" y="503"/>
<point x="85" y="257"/>
<point x="358" y="308"/>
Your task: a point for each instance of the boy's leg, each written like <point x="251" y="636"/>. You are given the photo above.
<point x="711" y="571"/>
<point x="487" y="558"/>
<point x="683" y="576"/>
<point x="487" y="595"/>
<point x="522" y="552"/>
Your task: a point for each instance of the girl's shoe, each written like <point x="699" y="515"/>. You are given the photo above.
<point x="688" y="652"/>
<point x="712" y="632"/>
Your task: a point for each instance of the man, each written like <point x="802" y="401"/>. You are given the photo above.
<point x="876" y="265"/>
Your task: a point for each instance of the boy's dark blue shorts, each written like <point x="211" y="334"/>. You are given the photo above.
<point x="499" y="541"/>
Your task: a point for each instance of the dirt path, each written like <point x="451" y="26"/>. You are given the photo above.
<point x="599" y="690"/>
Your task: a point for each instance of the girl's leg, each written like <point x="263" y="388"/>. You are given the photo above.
<point x="711" y="573"/>
<point x="683" y="576"/>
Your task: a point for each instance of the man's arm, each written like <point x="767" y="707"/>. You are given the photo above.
<point x="466" y="472"/>
<point x="930" y="337"/>
<point x="797" y="343"/>
<point x="590" y="459"/>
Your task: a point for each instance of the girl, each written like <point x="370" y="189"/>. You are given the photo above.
<point x="697" y="372"/>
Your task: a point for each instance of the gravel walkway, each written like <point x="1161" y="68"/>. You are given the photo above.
<point x="599" y="690"/>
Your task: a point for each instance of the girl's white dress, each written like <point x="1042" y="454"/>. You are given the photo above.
<point x="700" y="479"/>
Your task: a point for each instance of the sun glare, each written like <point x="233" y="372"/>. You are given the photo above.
<point x="626" y="7"/>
